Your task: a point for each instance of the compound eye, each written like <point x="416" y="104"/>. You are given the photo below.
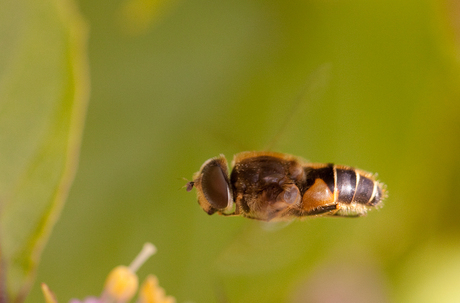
<point x="215" y="186"/>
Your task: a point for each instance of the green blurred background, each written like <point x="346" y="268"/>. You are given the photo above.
<point x="174" y="83"/>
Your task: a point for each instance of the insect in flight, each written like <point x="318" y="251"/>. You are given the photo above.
<point x="272" y="186"/>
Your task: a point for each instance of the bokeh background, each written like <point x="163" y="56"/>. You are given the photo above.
<point x="370" y="84"/>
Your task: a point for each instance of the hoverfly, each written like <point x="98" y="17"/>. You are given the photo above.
<point x="272" y="186"/>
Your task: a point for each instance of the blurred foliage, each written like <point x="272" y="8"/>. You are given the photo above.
<point x="43" y="96"/>
<point x="177" y="82"/>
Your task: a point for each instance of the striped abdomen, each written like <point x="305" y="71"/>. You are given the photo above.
<point x="339" y="190"/>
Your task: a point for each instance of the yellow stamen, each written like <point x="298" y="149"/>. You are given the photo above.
<point x="121" y="284"/>
<point x="148" y="250"/>
<point x="151" y="292"/>
<point x="48" y="294"/>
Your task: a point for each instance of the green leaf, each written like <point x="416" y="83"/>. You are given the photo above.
<point x="43" y="94"/>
